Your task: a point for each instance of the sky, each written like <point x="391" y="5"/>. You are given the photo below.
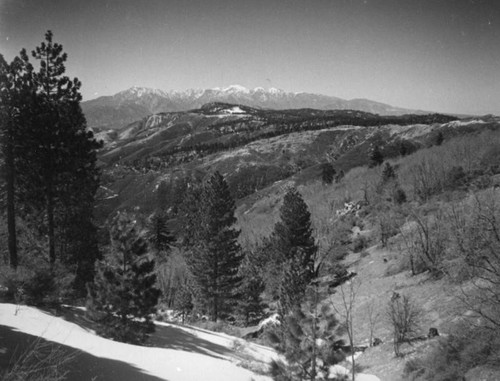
<point x="435" y="55"/>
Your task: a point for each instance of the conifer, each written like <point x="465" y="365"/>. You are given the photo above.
<point x="57" y="156"/>
<point x="215" y="255"/>
<point x="376" y="157"/>
<point x="308" y="341"/>
<point x="250" y="304"/>
<point x="123" y="295"/>
<point x="388" y="173"/>
<point x="294" y="249"/>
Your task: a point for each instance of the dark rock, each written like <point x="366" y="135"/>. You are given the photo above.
<point x="376" y="342"/>
<point x="433" y="332"/>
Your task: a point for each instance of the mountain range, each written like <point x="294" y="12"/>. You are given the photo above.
<point x="115" y="111"/>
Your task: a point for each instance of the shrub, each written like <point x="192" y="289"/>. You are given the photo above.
<point x="452" y="356"/>
<point x="399" y="196"/>
<point x="41" y="361"/>
<point x="40" y="285"/>
<point x="359" y="243"/>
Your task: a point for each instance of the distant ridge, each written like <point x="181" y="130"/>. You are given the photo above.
<point x="138" y="102"/>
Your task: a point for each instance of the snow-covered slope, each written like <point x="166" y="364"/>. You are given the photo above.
<point x="175" y="353"/>
<point x="216" y="359"/>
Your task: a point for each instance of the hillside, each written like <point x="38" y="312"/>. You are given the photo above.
<point x="417" y="248"/>
<point x="253" y="148"/>
<point x="127" y="106"/>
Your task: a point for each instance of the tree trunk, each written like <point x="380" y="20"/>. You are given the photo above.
<point x="11" y="210"/>
<point x="50" y="217"/>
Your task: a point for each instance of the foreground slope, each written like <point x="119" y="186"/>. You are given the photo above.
<point x="176" y="353"/>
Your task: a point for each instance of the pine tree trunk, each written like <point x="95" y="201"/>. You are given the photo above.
<point x="50" y="217"/>
<point x="11" y="211"/>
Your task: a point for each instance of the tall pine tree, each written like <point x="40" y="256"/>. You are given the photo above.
<point x="215" y="255"/>
<point x="14" y="102"/>
<point x="123" y="295"/>
<point x="58" y="166"/>
<point x="294" y="250"/>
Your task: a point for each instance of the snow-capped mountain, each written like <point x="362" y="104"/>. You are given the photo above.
<point x="137" y="102"/>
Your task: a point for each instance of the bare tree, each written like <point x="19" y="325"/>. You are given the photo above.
<point x="373" y="319"/>
<point x="345" y="311"/>
<point x="475" y="228"/>
<point x="404" y="316"/>
<point x="426" y="241"/>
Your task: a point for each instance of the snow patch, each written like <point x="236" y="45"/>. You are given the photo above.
<point x="165" y="363"/>
<point x="233" y="110"/>
<point x="458" y="123"/>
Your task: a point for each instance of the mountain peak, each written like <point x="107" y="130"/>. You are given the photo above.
<point x="139" y="91"/>
<point x="236" y="89"/>
<point x="137" y="102"/>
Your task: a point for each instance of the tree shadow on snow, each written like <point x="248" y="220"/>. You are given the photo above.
<point x="173" y="337"/>
<point x="82" y="367"/>
<point x="170" y="337"/>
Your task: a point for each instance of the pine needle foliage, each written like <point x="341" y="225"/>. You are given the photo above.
<point x="123" y="295"/>
<point x="308" y="342"/>
<point x="250" y="304"/>
<point x="215" y="255"/>
<point x="294" y="250"/>
<point x="376" y="157"/>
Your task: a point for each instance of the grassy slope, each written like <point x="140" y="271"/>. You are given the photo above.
<point x="439" y="299"/>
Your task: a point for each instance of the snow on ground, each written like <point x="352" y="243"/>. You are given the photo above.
<point x="196" y="355"/>
<point x="338" y="370"/>
<point x="458" y="123"/>
<point x="234" y="110"/>
<point x="176" y="353"/>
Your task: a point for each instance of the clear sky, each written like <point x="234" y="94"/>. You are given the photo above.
<point x="437" y="55"/>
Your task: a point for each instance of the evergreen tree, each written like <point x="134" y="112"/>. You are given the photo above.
<point x="327" y="173"/>
<point x="58" y="166"/>
<point x="294" y="249"/>
<point x="388" y="173"/>
<point x="250" y="305"/>
<point x="439" y="138"/>
<point x="376" y="157"/>
<point x="183" y="300"/>
<point x="14" y="99"/>
<point x="189" y="215"/>
<point x="123" y="295"/>
<point x="160" y="236"/>
<point x="308" y="343"/>
<point x="215" y="253"/>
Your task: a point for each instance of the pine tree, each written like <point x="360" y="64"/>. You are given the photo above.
<point x="250" y="304"/>
<point x="183" y="300"/>
<point x="376" y="157"/>
<point x="327" y="173"/>
<point x="58" y="166"/>
<point x="294" y="249"/>
<point x="388" y="173"/>
<point x="439" y="138"/>
<point x="308" y="342"/>
<point x="215" y="253"/>
<point x="160" y="236"/>
<point x="123" y="295"/>
<point x="13" y="89"/>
